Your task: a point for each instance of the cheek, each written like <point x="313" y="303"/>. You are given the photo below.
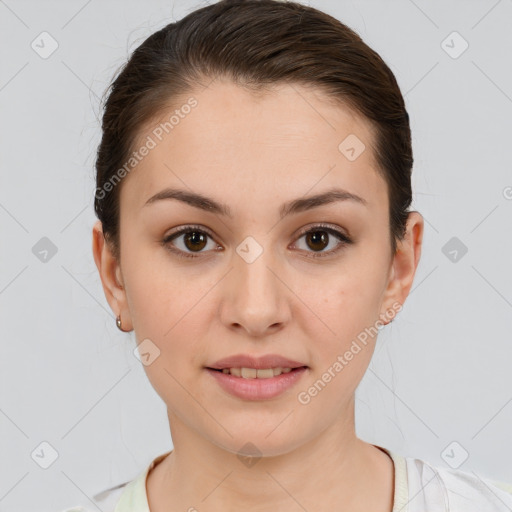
<point x="349" y="300"/>
<point x="170" y="312"/>
<point x="157" y="292"/>
<point x="341" y="355"/>
<point x="168" y="306"/>
<point x="348" y="306"/>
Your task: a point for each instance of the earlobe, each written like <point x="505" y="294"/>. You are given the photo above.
<point x="404" y="264"/>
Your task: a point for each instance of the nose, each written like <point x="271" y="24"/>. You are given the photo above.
<point x="255" y="297"/>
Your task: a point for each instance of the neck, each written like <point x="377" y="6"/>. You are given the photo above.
<point x="335" y="470"/>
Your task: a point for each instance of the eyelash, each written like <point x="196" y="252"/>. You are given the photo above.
<point x="343" y="240"/>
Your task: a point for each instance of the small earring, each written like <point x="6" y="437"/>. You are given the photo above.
<point x="118" y="323"/>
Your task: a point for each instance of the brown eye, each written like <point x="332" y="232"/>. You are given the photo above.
<point x="317" y="240"/>
<point x="194" y="240"/>
<point x="319" y="237"/>
<point x="188" y="240"/>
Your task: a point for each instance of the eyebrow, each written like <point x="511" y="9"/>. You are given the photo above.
<point x="295" y="206"/>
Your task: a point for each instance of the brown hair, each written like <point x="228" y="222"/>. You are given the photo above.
<point x="256" y="44"/>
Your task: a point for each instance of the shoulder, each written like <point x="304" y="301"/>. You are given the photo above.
<point x="128" y="496"/>
<point x="444" y="489"/>
<point x="105" y="500"/>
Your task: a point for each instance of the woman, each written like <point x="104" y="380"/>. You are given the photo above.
<point x="253" y="194"/>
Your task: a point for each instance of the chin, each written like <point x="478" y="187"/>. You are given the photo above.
<point x="260" y="440"/>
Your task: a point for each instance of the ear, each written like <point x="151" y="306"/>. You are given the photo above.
<point x="111" y="276"/>
<point x="403" y="268"/>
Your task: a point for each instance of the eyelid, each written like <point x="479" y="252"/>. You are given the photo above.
<point x="331" y="228"/>
<point x="189" y="227"/>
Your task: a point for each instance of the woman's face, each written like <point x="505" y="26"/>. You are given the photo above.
<point x="255" y="282"/>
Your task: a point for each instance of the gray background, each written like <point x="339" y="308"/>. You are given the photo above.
<point x="441" y="370"/>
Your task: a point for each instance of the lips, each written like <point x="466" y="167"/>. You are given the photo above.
<point x="250" y="388"/>
<point x="262" y="362"/>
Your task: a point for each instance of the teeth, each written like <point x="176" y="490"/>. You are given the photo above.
<point x="253" y="373"/>
<point x="249" y="373"/>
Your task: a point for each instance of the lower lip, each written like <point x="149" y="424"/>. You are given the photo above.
<point x="257" y="389"/>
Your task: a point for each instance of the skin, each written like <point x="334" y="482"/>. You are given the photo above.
<point x="254" y="153"/>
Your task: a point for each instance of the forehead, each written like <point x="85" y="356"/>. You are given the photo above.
<point x="290" y="138"/>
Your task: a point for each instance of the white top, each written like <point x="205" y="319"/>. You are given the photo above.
<point x="419" y="487"/>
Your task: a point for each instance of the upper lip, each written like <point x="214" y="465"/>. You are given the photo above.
<point x="247" y="361"/>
